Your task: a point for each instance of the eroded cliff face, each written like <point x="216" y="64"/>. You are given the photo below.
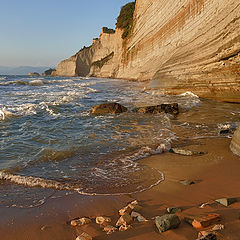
<point x="177" y="44"/>
<point x="100" y="59"/>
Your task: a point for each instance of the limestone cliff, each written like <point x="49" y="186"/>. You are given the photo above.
<point x="95" y="60"/>
<point x="177" y="44"/>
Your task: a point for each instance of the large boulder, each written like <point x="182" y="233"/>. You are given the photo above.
<point x="48" y="72"/>
<point x="167" y="222"/>
<point x="167" y="108"/>
<point x="235" y="144"/>
<point x="106" y="108"/>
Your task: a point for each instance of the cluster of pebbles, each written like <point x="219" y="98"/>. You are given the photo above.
<point x="127" y="215"/>
<point x="207" y="224"/>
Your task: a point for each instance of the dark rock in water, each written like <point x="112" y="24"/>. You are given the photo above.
<point x="187" y="182"/>
<point x="185" y="152"/>
<point x="209" y="236"/>
<point x="167" y="222"/>
<point x="106" y="108"/>
<point x="226" y="201"/>
<point x="167" y="108"/>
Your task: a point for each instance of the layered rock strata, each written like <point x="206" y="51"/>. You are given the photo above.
<point x="179" y="45"/>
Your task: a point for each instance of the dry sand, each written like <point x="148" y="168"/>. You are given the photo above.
<point x="216" y="174"/>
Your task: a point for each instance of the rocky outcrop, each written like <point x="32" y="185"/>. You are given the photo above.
<point x="106" y="108"/>
<point x="33" y="74"/>
<point x="167" y="108"/>
<point x="235" y="144"/>
<point x="49" y="72"/>
<point x="188" y="45"/>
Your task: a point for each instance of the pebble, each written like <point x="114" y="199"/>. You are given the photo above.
<point x="124" y="228"/>
<point x="110" y="229"/>
<point x="202" y="221"/>
<point x="172" y="210"/>
<point x="103" y="220"/>
<point x="135" y="214"/>
<point x="167" y="222"/>
<point x="226" y="201"/>
<point x="208" y="236"/>
<point x="84" y="236"/>
<point x="141" y="219"/>
<point x="124" y="220"/>
<point x="124" y="210"/>
<point x="187" y="182"/>
<point x="80" y="221"/>
<point x="185" y="152"/>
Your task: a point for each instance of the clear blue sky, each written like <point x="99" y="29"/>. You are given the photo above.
<point x="44" y="32"/>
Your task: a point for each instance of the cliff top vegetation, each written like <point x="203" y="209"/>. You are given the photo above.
<point x="125" y="19"/>
<point x="108" y="30"/>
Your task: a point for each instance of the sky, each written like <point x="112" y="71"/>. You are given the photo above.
<point x="44" y="32"/>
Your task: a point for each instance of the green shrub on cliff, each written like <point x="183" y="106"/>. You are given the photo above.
<point x="108" y="30"/>
<point x="125" y="19"/>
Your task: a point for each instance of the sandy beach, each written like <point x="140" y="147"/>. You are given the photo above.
<point x="216" y="175"/>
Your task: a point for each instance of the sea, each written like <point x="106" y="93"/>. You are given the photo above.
<point x="50" y="143"/>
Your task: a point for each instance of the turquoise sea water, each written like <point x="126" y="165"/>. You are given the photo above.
<point x="49" y="141"/>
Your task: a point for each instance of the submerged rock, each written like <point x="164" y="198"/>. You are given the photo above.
<point x="167" y="222"/>
<point x="167" y="108"/>
<point x="235" y="144"/>
<point x="185" y="152"/>
<point x="187" y="182"/>
<point x="106" y="108"/>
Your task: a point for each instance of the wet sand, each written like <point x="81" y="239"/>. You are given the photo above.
<point x="216" y="174"/>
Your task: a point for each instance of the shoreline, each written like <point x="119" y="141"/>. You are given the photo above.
<point x="216" y="175"/>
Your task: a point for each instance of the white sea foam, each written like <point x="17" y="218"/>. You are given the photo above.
<point x="36" y="82"/>
<point x="3" y="78"/>
<point x="5" y="114"/>
<point x="129" y="162"/>
<point x="27" y="109"/>
<point x="30" y="181"/>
